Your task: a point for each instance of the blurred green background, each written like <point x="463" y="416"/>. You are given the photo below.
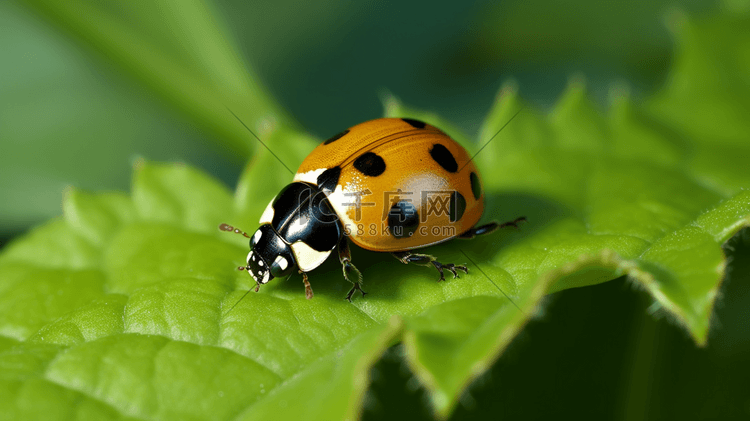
<point x="71" y="117"/>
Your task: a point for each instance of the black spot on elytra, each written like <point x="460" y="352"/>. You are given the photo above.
<point x="444" y="157"/>
<point x="328" y="179"/>
<point x="415" y="123"/>
<point x="336" y="137"/>
<point x="370" y="164"/>
<point x="457" y="206"/>
<point x="476" y="186"/>
<point x="403" y="219"/>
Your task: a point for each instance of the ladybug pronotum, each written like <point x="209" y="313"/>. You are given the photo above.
<point x="387" y="185"/>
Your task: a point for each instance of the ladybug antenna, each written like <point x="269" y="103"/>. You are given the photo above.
<point x="242" y="298"/>
<point x="493" y="136"/>
<point x="261" y="142"/>
<point x="491" y="281"/>
<point x="257" y="287"/>
<point x="229" y="228"/>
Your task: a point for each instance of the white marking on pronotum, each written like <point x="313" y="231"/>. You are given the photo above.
<point x="261" y="263"/>
<point x="257" y="236"/>
<point x="281" y="261"/>
<point x="308" y="258"/>
<point x="266" y="277"/>
<point x="267" y="216"/>
<point x="249" y="257"/>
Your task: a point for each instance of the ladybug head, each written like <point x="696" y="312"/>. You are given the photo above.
<point x="270" y="257"/>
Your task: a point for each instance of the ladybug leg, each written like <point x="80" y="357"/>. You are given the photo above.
<point x="491" y="227"/>
<point x="308" y="287"/>
<point x="351" y="273"/>
<point x="514" y="223"/>
<point x="426" y="260"/>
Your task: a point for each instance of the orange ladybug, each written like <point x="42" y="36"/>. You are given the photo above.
<point x="387" y="185"/>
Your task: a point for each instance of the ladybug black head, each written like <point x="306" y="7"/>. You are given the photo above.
<point x="270" y="257"/>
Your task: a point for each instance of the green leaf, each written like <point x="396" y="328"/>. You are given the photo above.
<point x="132" y="316"/>
<point x="605" y="197"/>
<point x="121" y="309"/>
<point x="706" y="98"/>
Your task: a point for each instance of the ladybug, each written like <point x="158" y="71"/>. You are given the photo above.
<point x="387" y="185"/>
